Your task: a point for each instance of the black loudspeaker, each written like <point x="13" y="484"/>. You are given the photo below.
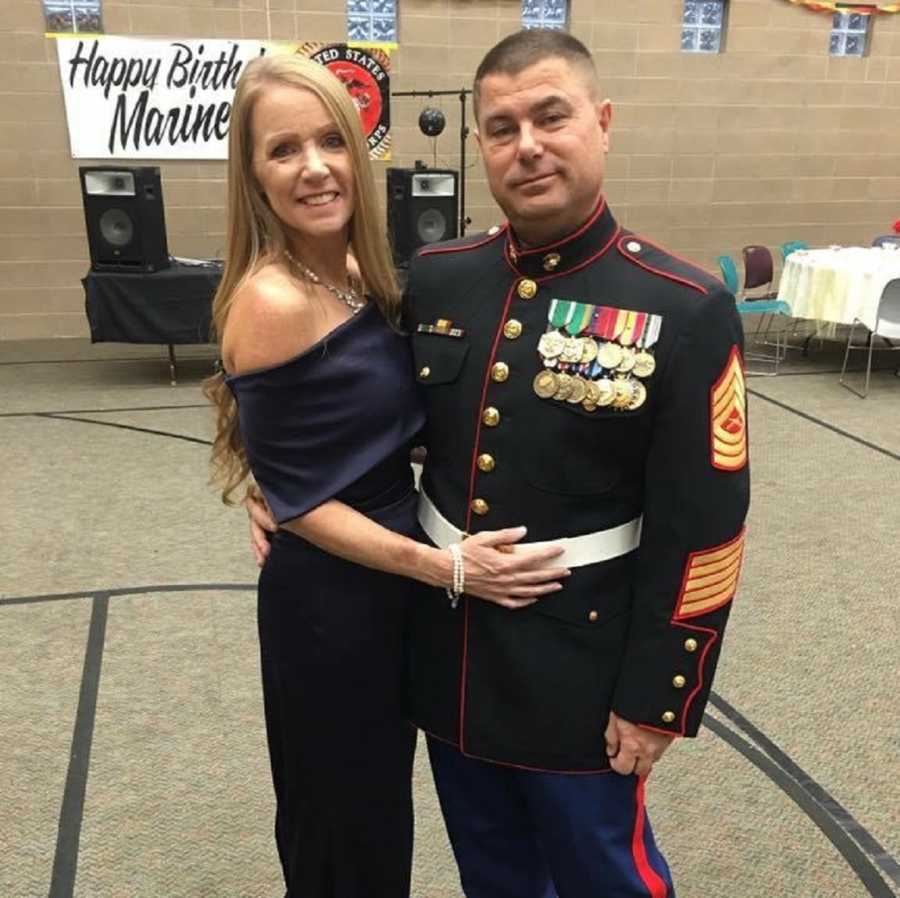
<point x="126" y="223"/>
<point x="422" y="207"/>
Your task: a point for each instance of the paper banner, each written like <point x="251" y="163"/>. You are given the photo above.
<point x="843" y="6"/>
<point x="140" y="98"/>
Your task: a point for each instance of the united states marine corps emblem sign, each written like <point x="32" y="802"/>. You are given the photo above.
<point x="728" y="416"/>
<point x="366" y="73"/>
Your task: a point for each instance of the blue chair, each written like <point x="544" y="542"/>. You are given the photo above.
<point x="761" y="307"/>
<point x="729" y="273"/>
<point x="773" y="308"/>
<point x="792" y="246"/>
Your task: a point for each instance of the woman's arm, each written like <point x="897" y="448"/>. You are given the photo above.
<point x="492" y="573"/>
<point x="270" y="321"/>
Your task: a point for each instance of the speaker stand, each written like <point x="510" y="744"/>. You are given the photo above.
<point x="462" y="93"/>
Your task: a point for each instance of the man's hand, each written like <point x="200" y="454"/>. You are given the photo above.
<point x="261" y="524"/>
<point x="632" y="749"/>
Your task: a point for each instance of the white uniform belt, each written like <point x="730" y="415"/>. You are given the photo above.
<point x="588" y="548"/>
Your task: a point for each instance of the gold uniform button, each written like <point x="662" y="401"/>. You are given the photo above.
<point x="593" y="617"/>
<point x="479" y="506"/>
<point x="500" y="372"/>
<point x="486" y="463"/>
<point x="551" y="260"/>
<point x="512" y="330"/>
<point x="690" y="645"/>
<point x="425" y="372"/>
<point x="527" y="289"/>
<point x="490" y="417"/>
<point x="678" y="681"/>
<point x="668" y="717"/>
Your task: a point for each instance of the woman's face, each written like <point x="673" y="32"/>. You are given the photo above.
<point x="300" y="161"/>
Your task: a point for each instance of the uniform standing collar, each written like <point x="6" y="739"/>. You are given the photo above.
<point x="596" y="234"/>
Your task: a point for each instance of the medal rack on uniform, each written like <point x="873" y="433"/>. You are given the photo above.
<point x="597" y="356"/>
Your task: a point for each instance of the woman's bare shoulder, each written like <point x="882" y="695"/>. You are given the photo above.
<point x="268" y="323"/>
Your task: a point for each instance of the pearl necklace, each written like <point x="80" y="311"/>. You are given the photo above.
<point x="349" y="297"/>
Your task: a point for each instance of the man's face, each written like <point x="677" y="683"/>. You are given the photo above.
<point x="544" y="139"/>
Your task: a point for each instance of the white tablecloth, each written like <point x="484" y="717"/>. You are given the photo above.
<point x="838" y="284"/>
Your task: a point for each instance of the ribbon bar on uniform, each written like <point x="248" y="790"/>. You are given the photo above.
<point x="588" y="548"/>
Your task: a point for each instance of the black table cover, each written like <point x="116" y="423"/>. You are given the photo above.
<point x="171" y="306"/>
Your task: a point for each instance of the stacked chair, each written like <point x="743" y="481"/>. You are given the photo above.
<point x="758" y="272"/>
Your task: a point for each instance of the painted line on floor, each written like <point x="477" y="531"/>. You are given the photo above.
<point x="103" y="411"/>
<point x="826" y="425"/>
<point x="859" y="863"/>
<point x="825" y="371"/>
<point x="830" y="805"/>
<point x="855" y="844"/>
<point x="71" y="815"/>
<point x="126" y="591"/>
<point x="137" y="358"/>
<point x="132" y="427"/>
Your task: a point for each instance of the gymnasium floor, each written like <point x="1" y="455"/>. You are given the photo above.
<point x="133" y="758"/>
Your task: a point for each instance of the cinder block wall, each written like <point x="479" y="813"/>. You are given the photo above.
<point x="769" y="141"/>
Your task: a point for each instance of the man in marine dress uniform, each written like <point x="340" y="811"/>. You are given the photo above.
<point x="584" y="382"/>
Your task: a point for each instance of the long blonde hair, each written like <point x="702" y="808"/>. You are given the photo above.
<point x="255" y="235"/>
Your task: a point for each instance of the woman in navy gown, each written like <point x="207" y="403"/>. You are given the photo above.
<point x="318" y="402"/>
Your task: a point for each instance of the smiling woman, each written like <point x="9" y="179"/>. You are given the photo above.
<point x="301" y="196"/>
<point x="303" y="168"/>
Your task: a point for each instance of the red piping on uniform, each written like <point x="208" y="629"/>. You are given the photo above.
<point x="460" y="249"/>
<point x="542" y="249"/>
<point x="646" y="726"/>
<point x="573" y="269"/>
<point x="660" y="272"/>
<point x="462" y="674"/>
<point x="687" y="262"/>
<point x="487" y="377"/>
<point x="656" y="887"/>
<point x="472" y="757"/>
<point x="700" y="662"/>
<point x="484" y="389"/>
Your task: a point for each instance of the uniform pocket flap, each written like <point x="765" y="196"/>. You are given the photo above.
<point x="586" y="608"/>
<point x="438" y="358"/>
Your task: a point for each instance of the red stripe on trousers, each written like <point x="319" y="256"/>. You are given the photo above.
<point x="656" y="888"/>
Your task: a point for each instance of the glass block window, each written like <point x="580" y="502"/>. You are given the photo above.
<point x="703" y="24"/>
<point x="849" y="34"/>
<point x="372" y="20"/>
<point x="73" y="15"/>
<point x="545" y="14"/>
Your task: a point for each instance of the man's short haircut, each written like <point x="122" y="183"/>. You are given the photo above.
<point x="518" y="51"/>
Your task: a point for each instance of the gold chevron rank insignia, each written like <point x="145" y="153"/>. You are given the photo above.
<point x="728" y="416"/>
<point x="710" y="578"/>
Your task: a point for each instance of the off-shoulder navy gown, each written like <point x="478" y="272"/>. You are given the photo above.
<point x="336" y="422"/>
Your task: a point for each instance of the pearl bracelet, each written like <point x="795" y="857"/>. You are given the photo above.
<point x="455" y="591"/>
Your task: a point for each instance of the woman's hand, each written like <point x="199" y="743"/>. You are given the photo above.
<point x="498" y="572"/>
<point x="261" y="524"/>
